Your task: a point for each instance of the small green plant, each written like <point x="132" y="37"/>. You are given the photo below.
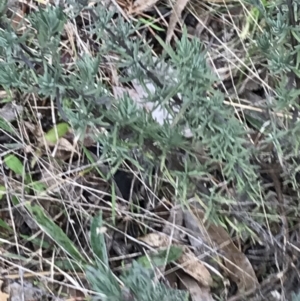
<point x="217" y="160"/>
<point x="279" y="46"/>
<point x="135" y="284"/>
<point x="219" y="143"/>
<point x="84" y="100"/>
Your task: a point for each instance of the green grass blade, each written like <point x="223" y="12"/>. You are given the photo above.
<point x="4" y="225"/>
<point x="6" y="126"/>
<point x="54" y="231"/>
<point x="151" y="23"/>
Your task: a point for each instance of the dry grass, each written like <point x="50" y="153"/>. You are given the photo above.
<point x="75" y="190"/>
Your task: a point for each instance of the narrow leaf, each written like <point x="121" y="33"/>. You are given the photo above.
<point x="4" y="225"/>
<point x="56" y="132"/>
<point x="14" y="164"/>
<point x="6" y="126"/>
<point x="2" y="191"/>
<point x="151" y="23"/>
<point x="97" y="239"/>
<point x="38" y="242"/>
<point x="54" y="231"/>
<point x="38" y="186"/>
<point x="113" y="202"/>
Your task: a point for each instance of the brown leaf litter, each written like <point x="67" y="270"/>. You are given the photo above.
<point x="188" y="262"/>
<point x="236" y="264"/>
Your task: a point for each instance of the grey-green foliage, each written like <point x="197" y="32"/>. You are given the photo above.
<point x="142" y="285"/>
<point x="183" y="86"/>
<point x="49" y="23"/>
<point x="104" y="283"/>
<point x="138" y="282"/>
<point x="138" y="285"/>
<point x="199" y="107"/>
<point x="203" y="109"/>
<point x="279" y="45"/>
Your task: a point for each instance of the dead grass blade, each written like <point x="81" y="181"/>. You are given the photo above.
<point x="175" y="17"/>
<point x="17" y="11"/>
<point x="236" y="263"/>
<point x="175" y="221"/>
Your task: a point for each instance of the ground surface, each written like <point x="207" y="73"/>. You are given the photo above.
<point x="59" y="171"/>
